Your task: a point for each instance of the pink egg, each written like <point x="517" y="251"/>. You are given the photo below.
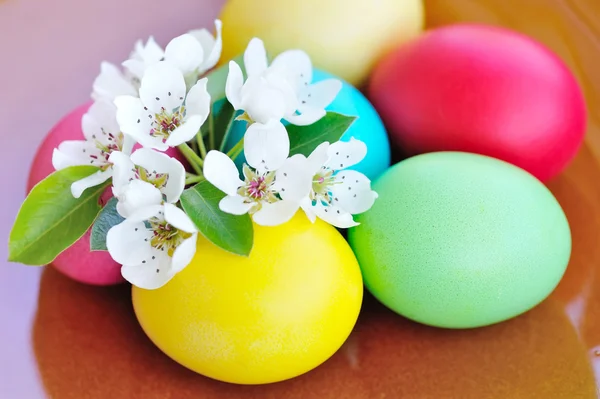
<point x="485" y="90"/>
<point x="77" y="261"/>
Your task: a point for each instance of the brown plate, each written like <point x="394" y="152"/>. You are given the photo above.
<point x="89" y="345"/>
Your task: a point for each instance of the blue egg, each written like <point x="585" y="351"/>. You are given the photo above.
<point x="368" y="128"/>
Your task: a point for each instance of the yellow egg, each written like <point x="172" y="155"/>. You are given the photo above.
<point x="343" y="37"/>
<point x="268" y="317"/>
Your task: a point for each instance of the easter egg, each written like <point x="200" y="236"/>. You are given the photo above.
<point x="271" y="316"/>
<point x="345" y="37"/>
<point x="461" y="240"/>
<point x="367" y="127"/>
<point x="77" y="261"/>
<point x="484" y="90"/>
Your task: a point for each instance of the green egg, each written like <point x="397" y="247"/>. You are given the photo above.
<point x="460" y="240"/>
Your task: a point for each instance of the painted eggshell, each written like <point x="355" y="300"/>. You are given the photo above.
<point x="484" y="90"/>
<point x="461" y="240"/>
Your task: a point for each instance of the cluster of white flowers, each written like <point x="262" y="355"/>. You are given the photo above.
<point x="159" y="100"/>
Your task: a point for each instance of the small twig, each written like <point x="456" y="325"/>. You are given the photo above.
<point x="195" y="161"/>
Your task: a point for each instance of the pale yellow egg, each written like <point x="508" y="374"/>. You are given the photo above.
<point x="343" y="37"/>
<point x="268" y="317"/>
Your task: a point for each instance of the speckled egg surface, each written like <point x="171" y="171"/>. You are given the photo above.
<point x="460" y="240"/>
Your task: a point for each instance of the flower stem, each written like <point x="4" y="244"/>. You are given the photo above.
<point x="227" y="132"/>
<point x="211" y="132"/>
<point x="201" y="146"/>
<point x="195" y="161"/>
<point x="193" y="179"/>
<point x="236" y="150"/>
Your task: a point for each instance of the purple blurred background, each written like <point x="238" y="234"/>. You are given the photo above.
<point x="50" y="54"/>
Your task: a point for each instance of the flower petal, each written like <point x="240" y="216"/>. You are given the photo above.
<point x="255" y="58"/>
<point x="295" y="66"/>
<point x="143" y="56"/>
<point x="185" y="52"/>
<point x="186" y="131"/>
<point x="308" y="117"/>
<point x="78" y="187"/>
<point x="212" y="46"/>
<point x="184" y="253"/>
<point x="178" y="218"/>
<point x="146" y="213"/>
<point x="153" y="274"/>
<point x="233" y="85"/>
<point x="159" y="162"/>
<point x="100" y="122"/>
<point x="137" y="194"/>
<point x="197" y="101"/>
<point x="293" y="180"/>
<point x="343" y="154"/>
<point x="264" y="99"/>
<point x="222" y="173"/>
<point x="111" y="83"/>
<point x="334" y="215"/>
<point x="266" y="146"/>
<point x="163" y="87"/>
<point x="123" y="171"/>
<point x="77" y="152"/>
<point x="321" y="94"/>
<point x="276" y="213"/>
<point x="135" y="121"/>
<point x="235" y="205"/>
<point x="307" y="207"/>
<point x="129" y="243"/>
<point x="353" y="192"/>
<point x="318" y="157"/>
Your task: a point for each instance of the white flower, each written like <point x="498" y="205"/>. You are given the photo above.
<point x="102" y="137"/>
<point x="146" y="178"/>
<point x="337" y="194"/>
<point x="193" y="54"/>
<point x="271" y="196"/>
<point x="153" y="244"/>
<point x="163" y="116"/>
<point x="111" y="83"/>
<point x="279" y="91"/>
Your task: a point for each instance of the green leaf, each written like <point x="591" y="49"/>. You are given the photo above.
<point x="51" y="220"/>
<point x="304" y="139"/>
<point x="223" y="124"/>
<point x="229" y="232"/>
<point x="107" y="218"/>
<point x="217" y="78"/>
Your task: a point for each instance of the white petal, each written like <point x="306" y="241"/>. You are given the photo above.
<point x="321" y="94"/>
<point x="128" y="143"/>
<point x="267" y="146"/>
<point x="77" y="152"/>
<point x="135" y="67"/>
<point x="186" y="131"/>
<point x="151" y="275"/>
<point x="276" y="213"/>
<point x="129" y="242"/>
<point x="293" y="180"/>
<point x="212" y="46"/>
<point x="235" y="205"/>
<point x="78" y="187"/>
<point x="264" y="99"/>
<point x="197" y="101"/>
<point x="162" y="163"/>
<point x="295" y="66"/>
<point x="135" y="121"/>
<point x="163" y="87"/>
<point x="308" y="117"/>
<point x="221" y="172"/>
<point x="146" y="213"/>
<point x="137" y="194"/>
<point x="307" y="207"/>
<point x="185" y="52"/>
<point x="353" y="192"/>
<point x="334" y="216"/>
<point x="111" y="83"/>
<point x="184" y="253"/>
<point x="233" y="85"/>
<point x="123" y="171"/>
<point x="255" y="57"/>
<point x="343" y="154"/>
<point x="178" y="218"/>
<point x="318" y="157"/>
<point x="151" y="52"/>
<point x="100" y="122"/>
